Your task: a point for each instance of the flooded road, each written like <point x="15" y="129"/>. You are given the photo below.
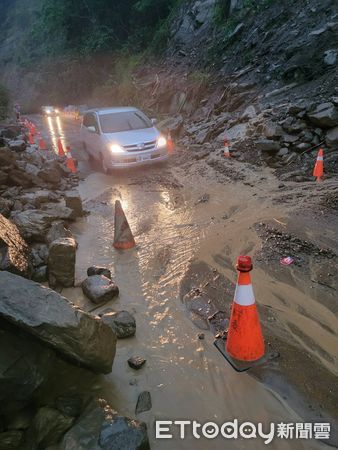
<point x="187" y="378"/>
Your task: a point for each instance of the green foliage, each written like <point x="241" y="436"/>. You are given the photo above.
<point x="98" y="26"/>
<point x="221" y="11"/>
<point x="4" y="102"/>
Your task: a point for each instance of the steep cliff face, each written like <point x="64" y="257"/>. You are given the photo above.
<point x="274" y="43"/>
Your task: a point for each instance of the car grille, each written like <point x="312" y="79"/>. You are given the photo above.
<point x="141" y="147"/>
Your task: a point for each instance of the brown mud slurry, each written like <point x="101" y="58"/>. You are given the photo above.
<point x="190" y="222"/>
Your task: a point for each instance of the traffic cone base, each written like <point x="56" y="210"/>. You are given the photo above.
<point x="123" y="237"/>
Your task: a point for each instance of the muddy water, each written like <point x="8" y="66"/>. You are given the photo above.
<point x="187" y="377"/>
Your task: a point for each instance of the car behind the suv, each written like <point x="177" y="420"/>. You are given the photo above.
<point x="122" y="137"/>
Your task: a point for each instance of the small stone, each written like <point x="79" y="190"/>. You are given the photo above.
<point x="99" y="289"/>
<point x="143" y="402"/>
<point x="136" y="362"/>
<point x="97" y="270"/>
<point x="201" y="336"/>
<point x="121" y="322"/>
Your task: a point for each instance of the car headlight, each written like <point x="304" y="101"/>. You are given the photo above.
<point x="116" y="148"/>
<point x="161" y="142"/>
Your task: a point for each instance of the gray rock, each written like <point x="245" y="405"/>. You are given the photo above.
<point x="69" y="406"/>
<point x="99" y="289"/>
<point x="236" y="132"/>
<point x="97" y="270"/>
<point x="74" y="202"/>
<point x="330" y="57"/>
<point x="122" y="323"/>
<point x="61" y="262"/>
<point x="14" y="252"/>
<point x="17" y="146"/>
<point x="143" y="402"/>
<point x="136" y="362"/>
<point x="272" y="130"/>
<point x="325" y="115"/>
<point x="290" y="138"/>
<point x="58" y="210"/>
<point x="100" y="427"/>
<point x="57" y="231"/>
<point x="38" y="197"/>
<point x="249" y="113"/>
<point x="48" y="427"/>
<point x="5" y="206"/>
<point x="25" y="364"/>
<point x="332" y="137"/>
<point x="52" y="319"/>
<point x="51" y="172"/>
<point x="283" y="151"/>
<point x="40" y="274"/>
<point x="267" y="145"/>
<point x="172" y="124"/>
<point x="12" y="440"/>
<point x="33" y="224"/>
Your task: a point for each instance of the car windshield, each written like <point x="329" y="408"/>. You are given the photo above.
<point x="124" y="121"/>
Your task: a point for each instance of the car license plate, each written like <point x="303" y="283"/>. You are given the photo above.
<point x="143" y="158"/>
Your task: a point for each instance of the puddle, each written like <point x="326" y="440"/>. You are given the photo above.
<point x="187" y="377"/>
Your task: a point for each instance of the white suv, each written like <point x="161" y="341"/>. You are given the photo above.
<point x="122" y="137"/>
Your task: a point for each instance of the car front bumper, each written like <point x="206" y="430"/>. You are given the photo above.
<point x="122" y="161"/>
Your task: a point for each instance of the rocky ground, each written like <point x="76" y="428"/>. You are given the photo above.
<point x="43" y="335"/>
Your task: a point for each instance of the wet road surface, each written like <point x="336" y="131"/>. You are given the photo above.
<point x="187" y="377"/>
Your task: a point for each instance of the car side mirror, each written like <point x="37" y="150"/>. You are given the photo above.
<point x="92" y="129"/>
<point x="154" y="121"/>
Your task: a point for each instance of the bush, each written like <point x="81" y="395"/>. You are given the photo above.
<point x="4" y="102"/>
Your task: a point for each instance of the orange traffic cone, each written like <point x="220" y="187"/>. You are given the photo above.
<point x="33" y="129"/>
<point x="245" y="340"/>
<point x="318" y="170"/>
<point x="60" y="148"/>
<point x="170" y="143"/>
<point x="31" y="138"/>
<point x="226" y="149"/>
<point x="123" y="237"/>
<point x="42" y="143"/>
<point x="70" y="162"/>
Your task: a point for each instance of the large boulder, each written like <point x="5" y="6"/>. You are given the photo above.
<point x="61" y="262"/>
<point x="99" y="289"/>
<point x="79" y="337"/>
<point x="325" y="115"/>
<point x="48" y="427"/>
<point x="14" y="251"/>
<point x="25" y="364"/>
<point x="33" y="224"/>
<point x="100" y="427"/>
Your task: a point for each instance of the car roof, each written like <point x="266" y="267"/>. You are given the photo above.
<point x="114" y="110"/>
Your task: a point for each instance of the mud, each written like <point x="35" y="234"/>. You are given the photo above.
<point x="186" y="249"/>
